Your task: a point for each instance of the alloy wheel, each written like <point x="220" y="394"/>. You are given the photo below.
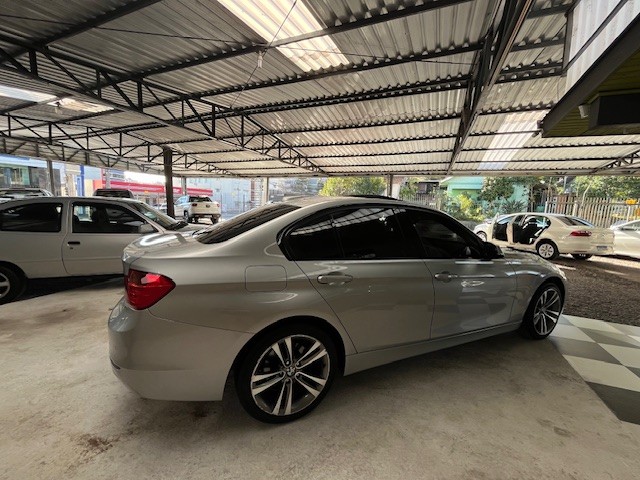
<point x="290" y="375"/>
<point x="546" y="250"/>
<point x="547" y="311"/>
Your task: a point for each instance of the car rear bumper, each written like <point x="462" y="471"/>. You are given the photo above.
<point x="164" y="360"/>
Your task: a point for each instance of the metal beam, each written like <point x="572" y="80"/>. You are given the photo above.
<point x="488" y="65"/>
<point x="631" y="160"/>
<point x="63" y="63"/>
<point x="353" y="24"/>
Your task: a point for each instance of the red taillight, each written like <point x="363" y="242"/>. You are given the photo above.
<point x="194" y="204"/>
<point x="580" y="233"/>
<point x="145" y="289"/>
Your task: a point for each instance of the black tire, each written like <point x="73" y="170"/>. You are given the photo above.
<point x="581" y="256"/>
<point x="286" y="391"/>
<point x="547" y="250"/>
<point x="482" y="235"/>
<point x="12" y="284"/>
<point x="543" y="312"/>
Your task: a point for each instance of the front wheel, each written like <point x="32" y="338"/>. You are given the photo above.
<point x="286" y="373"/>
<point x="12" y="285"/>
<point x="547" y="250"/>
<point x="581" y="256"/>
<point x="482" y="235"/>
<point x="543" y="312"/>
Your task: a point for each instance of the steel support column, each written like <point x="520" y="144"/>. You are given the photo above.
<point x="168" y="178"/>
<point x="265" y="190"/>
<point x="52" y="182"/>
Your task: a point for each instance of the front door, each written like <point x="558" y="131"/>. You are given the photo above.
<point x="471" y="293"/>
<point x="98" y="235"/>
<point x="357" y="260"/>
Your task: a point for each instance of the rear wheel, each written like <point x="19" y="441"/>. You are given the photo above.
<point x="186" y="216"/>
<point x="581" y="256"/>
<point x="12" y="284"/>
<point x="286" y="373"/>
<point x="482" y="235"/>
<point x="547" y="250"/>
<point x="543" y="312"/>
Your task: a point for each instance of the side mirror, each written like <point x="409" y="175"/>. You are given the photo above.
<point x="492" y="251"/>
<point x="146" y="228"/>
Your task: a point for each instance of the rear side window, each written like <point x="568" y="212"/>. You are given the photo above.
<point x="35" y="217"/>
<point x="315" y="240"/>
<point x="224" y="231"/>
<point x="366" y="233"/>
<point x="574" y="221"/>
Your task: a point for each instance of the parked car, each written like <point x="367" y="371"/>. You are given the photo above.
<point x="551" y="234"/>
<point x="113" y="192"/>
<point x="68" y="236"/>
<point x="291" y="294"/>
<point x="627" y="239"/>
<point x="11" y="193"/>
<point x="482" y="229"/>
<point x="194" y="207"/>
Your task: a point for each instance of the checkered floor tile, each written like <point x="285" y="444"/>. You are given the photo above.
<point x="607" y="356"/>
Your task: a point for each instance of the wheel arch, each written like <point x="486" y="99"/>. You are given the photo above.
<point x="309" y="320"/>
<point x="15" y="269"/>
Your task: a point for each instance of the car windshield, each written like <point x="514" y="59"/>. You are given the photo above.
<point x="224" y="231"/>
<point x="575" y="222"/>
<point x="165" y="221"/>
<point x="199" y="198"/>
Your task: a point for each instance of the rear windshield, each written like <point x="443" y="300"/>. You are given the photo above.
<point x="575" y="221"/>
<point x="224" y="231"/>
<point x="199" y="199"/>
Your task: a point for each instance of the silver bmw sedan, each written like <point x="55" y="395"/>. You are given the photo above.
<point x="287" y="296"/>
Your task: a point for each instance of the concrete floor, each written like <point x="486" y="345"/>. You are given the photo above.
<point x="500" y="408"/>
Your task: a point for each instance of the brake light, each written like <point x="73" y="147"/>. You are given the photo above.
<point x="145" y="289"/>
<point x="194" y="204"/>
<point x="580" y="233"/>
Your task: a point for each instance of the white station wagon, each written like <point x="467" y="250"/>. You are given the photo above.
<point x="70" y="236"/>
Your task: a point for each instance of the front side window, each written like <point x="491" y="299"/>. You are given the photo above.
<point x="35" y="217"/>
<point x="105" y="218"/>
<point x="442" y="237"/>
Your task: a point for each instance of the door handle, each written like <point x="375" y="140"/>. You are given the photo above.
<point x="334" y="278"/>
<point x="445" y="277"/>
<point x="73" y="243"/>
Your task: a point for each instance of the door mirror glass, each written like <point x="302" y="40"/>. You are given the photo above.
<point x="146" y="228"/>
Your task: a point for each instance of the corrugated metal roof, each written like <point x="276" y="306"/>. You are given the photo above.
<point x="184" y="49"/>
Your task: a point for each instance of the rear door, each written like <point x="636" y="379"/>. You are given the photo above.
<point x="31" y="236"/>
<point x="470" y="293"/>
<point x="627" y="239"/>
<point x="98" y="235"/>
<point x="358" y="260"/>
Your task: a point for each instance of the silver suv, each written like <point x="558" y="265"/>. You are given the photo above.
<point x="194" y="207"/>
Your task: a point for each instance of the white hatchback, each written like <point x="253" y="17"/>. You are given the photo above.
<point x="44" y="237"/>
<point x="549" y="235"/>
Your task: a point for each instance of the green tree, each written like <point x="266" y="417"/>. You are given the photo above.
<point x="615" y="187"/>
<point x="336" y="186"/>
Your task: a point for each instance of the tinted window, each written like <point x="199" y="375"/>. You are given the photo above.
<point x="199" y="198"/>
<point x="160" y="218"/>
<point x="442" y="237"/>
<point x="104" y="218"/>
<point x="224" y="231"/>
<point x="314" y="240"/>
<point x="369" y="233"/>
<point x="36" y="217"/>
